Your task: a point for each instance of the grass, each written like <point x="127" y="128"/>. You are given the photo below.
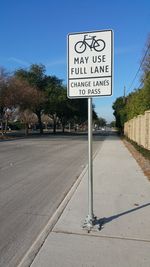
<point x="142" y="150"/>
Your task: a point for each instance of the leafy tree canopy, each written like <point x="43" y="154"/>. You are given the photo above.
<point x="137" y="102"/>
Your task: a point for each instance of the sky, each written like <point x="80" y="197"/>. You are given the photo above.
<point x="35" y="31"/>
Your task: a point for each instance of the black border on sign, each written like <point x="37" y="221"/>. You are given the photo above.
<point x="112" y="53"/>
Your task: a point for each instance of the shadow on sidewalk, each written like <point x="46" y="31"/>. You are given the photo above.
<point x="101" y="222"/>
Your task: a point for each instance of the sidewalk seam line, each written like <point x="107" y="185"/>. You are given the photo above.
<point x="100" y="236"/>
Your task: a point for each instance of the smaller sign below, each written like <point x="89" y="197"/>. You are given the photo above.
<point x="90" y="64"/>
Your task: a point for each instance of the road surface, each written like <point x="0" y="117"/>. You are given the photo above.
<point x="35" y="175"/>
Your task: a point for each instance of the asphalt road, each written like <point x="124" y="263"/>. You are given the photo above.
<point x="35" y="175"/>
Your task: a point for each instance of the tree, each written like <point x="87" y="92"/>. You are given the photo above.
<point x="22" y="97"/>
<point x="100" y="122"/>
<point x="120" y="113"/>
<point x="46" y="120"/>
<point x="113" y="124"/>
<point x="21" y="94"/>
<point x="80" y="107"/>
<point x="33" y="91"/>
<point x="138" y="101"/>
<point x="3" y="97"/>
<point x="36" y="79"/>
<point x="145" y="77"/>
<point x="28" y="118"/>
<point x="54" y="97"/>
<point x="66" y="110"/>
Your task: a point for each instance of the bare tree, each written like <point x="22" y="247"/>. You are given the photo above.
<point x="46" y="120"/>
<point x="28" y="118"/>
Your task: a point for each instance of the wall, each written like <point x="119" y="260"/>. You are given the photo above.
<point x="138" y="129"/>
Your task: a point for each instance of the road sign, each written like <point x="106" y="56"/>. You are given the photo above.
<point x="90" y="59"/>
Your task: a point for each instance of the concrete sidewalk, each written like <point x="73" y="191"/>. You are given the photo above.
<point x="121" y="202"/>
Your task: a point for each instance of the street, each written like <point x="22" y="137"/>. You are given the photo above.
<point x="35" y="175"/>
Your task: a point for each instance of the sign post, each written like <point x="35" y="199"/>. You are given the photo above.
<point x="90" y="75"/>
<point x="90" y="217"/>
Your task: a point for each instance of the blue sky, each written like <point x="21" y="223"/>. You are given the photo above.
<point x="35" y="31"/>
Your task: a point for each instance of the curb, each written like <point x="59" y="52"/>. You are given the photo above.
<point x="30" y="255"/>
<point x="36" y="246"/>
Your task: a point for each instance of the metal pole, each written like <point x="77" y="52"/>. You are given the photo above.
<point x="90" y="163"/>
<point x="90" y="220"/>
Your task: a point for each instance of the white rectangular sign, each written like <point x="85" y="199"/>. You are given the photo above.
<point x="90" y="60"/>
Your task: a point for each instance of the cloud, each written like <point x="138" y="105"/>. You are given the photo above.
<point x="56" y="63"/>
<point x="126" y="49"/>
<point x="49" y="64"/>
<point x="18" y="61"/>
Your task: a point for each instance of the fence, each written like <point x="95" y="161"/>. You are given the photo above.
<point x="138" y="129"/>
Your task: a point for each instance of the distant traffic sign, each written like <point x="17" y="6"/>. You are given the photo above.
<point x="90" y="59"/>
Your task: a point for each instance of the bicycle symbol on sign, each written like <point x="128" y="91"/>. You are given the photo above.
<point x="97" y="44"/>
